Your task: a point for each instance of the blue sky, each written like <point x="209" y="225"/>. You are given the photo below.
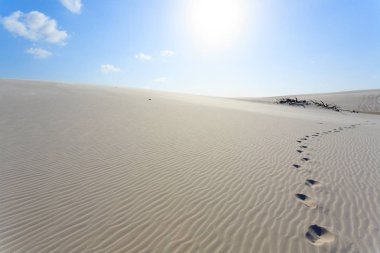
<point x="225" y="47"/>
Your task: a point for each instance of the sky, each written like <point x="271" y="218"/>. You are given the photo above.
<point x="212" y="47"/>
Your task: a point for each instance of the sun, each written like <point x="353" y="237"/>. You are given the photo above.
<point x="215" y="24"/>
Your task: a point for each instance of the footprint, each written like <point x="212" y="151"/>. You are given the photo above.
<point x="303" y="146"/>
<point x="312" y="183"/>
<point x="305" y="159"/>
<point x="296" y="166"/>
<point x="307" y="201"/>
<point x="299" y="141"/>
<point x="304" y="139"/>
<point x="307" y="136"/>
<point x="318" y="235"/>
<point x="299" y="151"/>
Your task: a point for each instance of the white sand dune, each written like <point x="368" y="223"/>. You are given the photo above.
<point x="96" y="169"/>
<point x="367" y="101"/>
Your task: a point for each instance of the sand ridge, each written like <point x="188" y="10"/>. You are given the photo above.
<point x="367" y="101"/>
<point x="97" y="169"/>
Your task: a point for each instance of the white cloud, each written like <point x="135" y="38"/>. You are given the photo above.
<point x="161" y="79"/>
<point x="34" y="26"/>
<point x="143" y="57"/>
<point x="167" y="53"/>
<point x="108" y="68"/>
<point x="39" y="53"/>
<point x="72" y="5"/>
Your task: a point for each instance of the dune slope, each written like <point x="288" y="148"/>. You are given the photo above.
<point x="367" y="101"/>
<point x="95" y="169"/>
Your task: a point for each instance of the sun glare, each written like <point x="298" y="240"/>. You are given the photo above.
<point x="215" y="24"/>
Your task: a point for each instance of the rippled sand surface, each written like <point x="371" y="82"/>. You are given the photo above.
<point x="95" y="169"/>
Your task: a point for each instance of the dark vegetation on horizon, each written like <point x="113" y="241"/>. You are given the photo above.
<point x="304" y="103"/>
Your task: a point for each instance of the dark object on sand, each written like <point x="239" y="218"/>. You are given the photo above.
<point x="291" y="101"/>
<point x="297" y="102"/>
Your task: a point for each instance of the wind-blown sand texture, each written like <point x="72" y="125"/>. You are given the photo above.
<point x="367" y="101"/>
<point x="96" y="169"/>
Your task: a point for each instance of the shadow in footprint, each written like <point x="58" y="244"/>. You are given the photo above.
<point x="305" y="159"/>
<point x="312" y="183"/>
<point x="299" y="151"/>
<point x="296" y="166"/>
<point x="303" y="146"/>
<point x="299" y="141"/>
<point x="306" y="200"/>
<point x="318" y="235"/>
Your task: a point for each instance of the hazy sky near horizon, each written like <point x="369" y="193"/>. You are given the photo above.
<point x="213" y="47"/>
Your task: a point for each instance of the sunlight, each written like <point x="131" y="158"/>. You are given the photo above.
<point x="215" y="24"/>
